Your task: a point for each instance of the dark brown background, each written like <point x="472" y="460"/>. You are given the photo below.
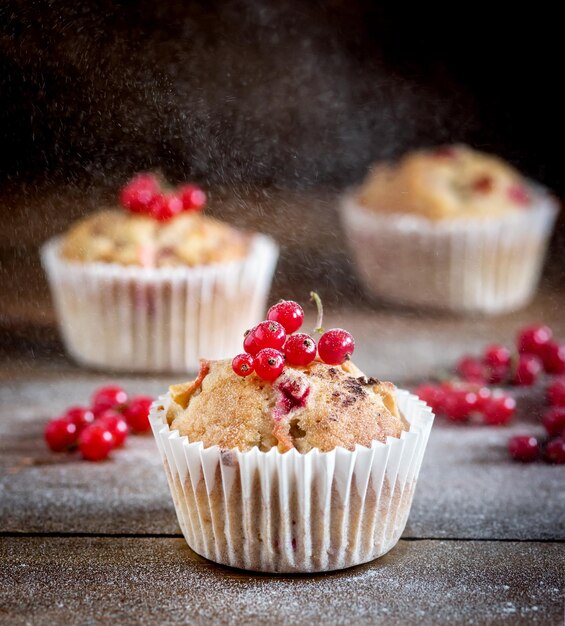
<point x="274" y="106"/>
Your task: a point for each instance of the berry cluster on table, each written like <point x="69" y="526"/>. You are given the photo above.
<point x="471" y="397"/>
<point x="98" y="429"/>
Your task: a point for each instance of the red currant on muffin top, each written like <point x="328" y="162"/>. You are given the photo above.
<point x="149" y="194"/>
<point x="274" y="342"/>
<point x="287" y="313"/>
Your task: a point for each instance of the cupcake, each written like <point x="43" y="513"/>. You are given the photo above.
<point x="449" y="228"/>
<point x="146" y="286"/>
<point x="286" y="467"/>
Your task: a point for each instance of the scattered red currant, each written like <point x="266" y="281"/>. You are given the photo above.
<point x="336" y="346"/>
<point x="532" y="339"/>
<point x="95" y="442"/>
<point x="432" y="395"/>
<point x="553" y="357"/>
<point x="554" y="421"/>
<point x="300" y="349"/>
<point x="524" y="448"/>
<point x="459" y="404"/>
<point x="269" y="334"/>
<point x="249" y="344"/>
<point x="243" y="364"/>
<point x="497" y="362"/>
<point x="528" y="368"/>
<point x="116" y="424"/>
<point x="192" y="197"/>
<point x="61" y="434"/>
<point x="137" y="413"/>
<point x="287" y="313"/>
<point x="471" y="370"/>
<point x="498" y="410"/>
<point x="139" y="193"/>
<point x="80" y="416"/>
<point x="110" y="397"/>
<point x="555" y="451"/>
<point x="556" y="392"/>
<point x="269" y="364"/>
<point x="165" y="206"/>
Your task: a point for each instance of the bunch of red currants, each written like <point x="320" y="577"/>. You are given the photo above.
<point x="471" y="399"/>
<point x="148" y="194"/>
<point x="527" y="448"/>
<point x="536" y="352"/>
<point x="98" y="429"/>
<point x="274" y="342"/>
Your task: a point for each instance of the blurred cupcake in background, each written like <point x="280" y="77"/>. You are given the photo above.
<point x="152" y="284"/>
<point x="449" y="228"/>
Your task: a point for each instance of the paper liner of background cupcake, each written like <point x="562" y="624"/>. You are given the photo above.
<point x="157" y="319"/>
<point x="293" y="512"/>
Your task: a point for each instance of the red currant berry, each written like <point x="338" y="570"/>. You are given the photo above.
<point x="110" y="397"/>
<point x="555" y="451"/>
<point x="243" y="364"/>
<point x="524" y="448"/>
<point x="300" y="349"/>
<point x="137" y="413"/>
<point x="116" y="424"/>
<point x="556" y="392"/>
<point x="269" y="334"/>
<point x="80" y="416"/>
<point x="519" y="194"/>
<point x="498" y="410"/>
<point x="471" y="370"/>
<point x="528" y="369"/>
<point x="95" y="442"/>
<point x="553" y="358"/>
<point x="554" y="421"/>
<point x="483" y="395"/>
<point x="496" y="356"/>
<point x="287" y="313"/>
<point x="532" y="339"/>
<point x="60" y="434"/>
<point x="192" y="197"/>
<point x="249" y="344"/>
<point x="483" y="183"/>
<point x="138" y="194"/>
<point x="336" y="346"/>
<point x="459" y="404"/>
<point x="165" y="206"/>
<point x="269" y="364"/>
<point x="432" y="395"/>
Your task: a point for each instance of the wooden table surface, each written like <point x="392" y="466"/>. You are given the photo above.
<point x="99" y="543"/>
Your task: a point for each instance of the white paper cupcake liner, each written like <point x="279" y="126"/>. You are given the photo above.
<point x="292" y="512"/>
<point x="489" y="265"/>
<point x="158" y="319"/>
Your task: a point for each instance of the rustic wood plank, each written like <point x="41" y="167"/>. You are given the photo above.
<point x="132" y="580"/>
<point x="468" y="487"/>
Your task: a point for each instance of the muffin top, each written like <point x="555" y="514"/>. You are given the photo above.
<point x="446" y="182"/>
<point x="189" y="239"/>
<point x="318" y="406"/>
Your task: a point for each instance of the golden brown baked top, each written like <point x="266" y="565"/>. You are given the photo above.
<point x="319" y="406"/>
<point x="190" y="239"/>
<point x="446" y="182"/>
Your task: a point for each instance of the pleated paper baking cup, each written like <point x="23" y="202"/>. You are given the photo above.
<point x="489" y="265"/>
<point x="158" y="319"/>
<point x="292" y="512"/>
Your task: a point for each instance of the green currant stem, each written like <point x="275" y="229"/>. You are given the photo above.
<point x="318" y="302"/>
